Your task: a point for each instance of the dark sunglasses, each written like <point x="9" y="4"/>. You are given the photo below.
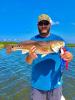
<point x="41" y="23"/>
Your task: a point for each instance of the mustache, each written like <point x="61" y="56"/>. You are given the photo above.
<point x="44" y="27"/>
<point x="40" y="31"/>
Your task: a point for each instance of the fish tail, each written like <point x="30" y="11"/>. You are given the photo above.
<point x="8" y="49"/>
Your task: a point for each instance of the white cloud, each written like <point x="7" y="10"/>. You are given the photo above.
<point x="73" y="23"/>
<point x="54" y="22"/>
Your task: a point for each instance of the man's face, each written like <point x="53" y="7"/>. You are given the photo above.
<point x="44" y="27"/>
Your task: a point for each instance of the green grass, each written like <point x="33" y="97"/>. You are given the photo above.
<point x="71" y="45"/>
<point x="7" y="42"/>
<point x="3" y="44"/>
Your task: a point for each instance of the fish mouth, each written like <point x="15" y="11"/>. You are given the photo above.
<point x="56" y="47"/>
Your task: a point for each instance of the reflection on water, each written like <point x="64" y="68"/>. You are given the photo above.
<point x="15" y="77"/>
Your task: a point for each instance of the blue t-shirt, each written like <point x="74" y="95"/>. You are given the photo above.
<point x="46" y="71"/>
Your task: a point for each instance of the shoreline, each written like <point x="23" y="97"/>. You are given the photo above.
<point x="71" y="45"/>
<point x="3" y="44"/>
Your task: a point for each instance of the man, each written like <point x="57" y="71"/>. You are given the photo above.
<point x="46" y="71"/>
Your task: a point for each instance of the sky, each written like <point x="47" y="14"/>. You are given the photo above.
<point x="18" y="18"/>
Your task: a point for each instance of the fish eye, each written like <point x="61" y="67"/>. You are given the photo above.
<point x="12" y="46"/>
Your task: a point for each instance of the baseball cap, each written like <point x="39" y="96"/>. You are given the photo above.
<point x="44" y="17"/>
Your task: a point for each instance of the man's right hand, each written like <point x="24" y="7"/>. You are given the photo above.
<point x="32" y="55"/>
<point x="32" y="52"/>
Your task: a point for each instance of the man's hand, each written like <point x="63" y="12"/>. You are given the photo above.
<point x="32" y="55"/>
<point x="67" y="56"/>
<point x="32" y="52"/>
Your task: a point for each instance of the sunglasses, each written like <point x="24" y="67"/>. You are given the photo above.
<point x="41" y="23"/>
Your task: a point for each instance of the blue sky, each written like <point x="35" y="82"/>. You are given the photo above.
<point x="18" y="18"/>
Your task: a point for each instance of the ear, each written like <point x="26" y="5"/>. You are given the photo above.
<point x="37" y="25"/>
<point x="50" y="25"/>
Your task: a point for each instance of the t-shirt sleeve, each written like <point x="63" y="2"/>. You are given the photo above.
<point x="33" y="38"/>
<point x="60" y="38"/>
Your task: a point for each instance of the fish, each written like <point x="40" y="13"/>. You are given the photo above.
<point x="42" y="47"/>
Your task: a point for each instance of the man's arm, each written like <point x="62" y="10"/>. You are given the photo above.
<point x="29" y="59"/>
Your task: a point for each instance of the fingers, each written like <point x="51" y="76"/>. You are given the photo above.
<point x="34" y="55"/>
<point x="67" y="56"/>
<point x="32" y="52"/>
<point x="67" y="59"/>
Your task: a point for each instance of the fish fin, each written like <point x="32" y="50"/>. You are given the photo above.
<point x="43" y="55"/>
<point x="24" y="51"/>
<point x="56" y="49"/>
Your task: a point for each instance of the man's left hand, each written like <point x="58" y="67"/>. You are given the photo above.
<point x="67" y="56"/>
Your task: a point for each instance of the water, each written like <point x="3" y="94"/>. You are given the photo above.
<point x="15" y="77"/>
<point x="69" y="79"/>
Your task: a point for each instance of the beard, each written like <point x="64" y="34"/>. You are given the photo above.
<point x="44" y="33"/>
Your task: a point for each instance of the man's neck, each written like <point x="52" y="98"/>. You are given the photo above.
<point x="44" y="35"/>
